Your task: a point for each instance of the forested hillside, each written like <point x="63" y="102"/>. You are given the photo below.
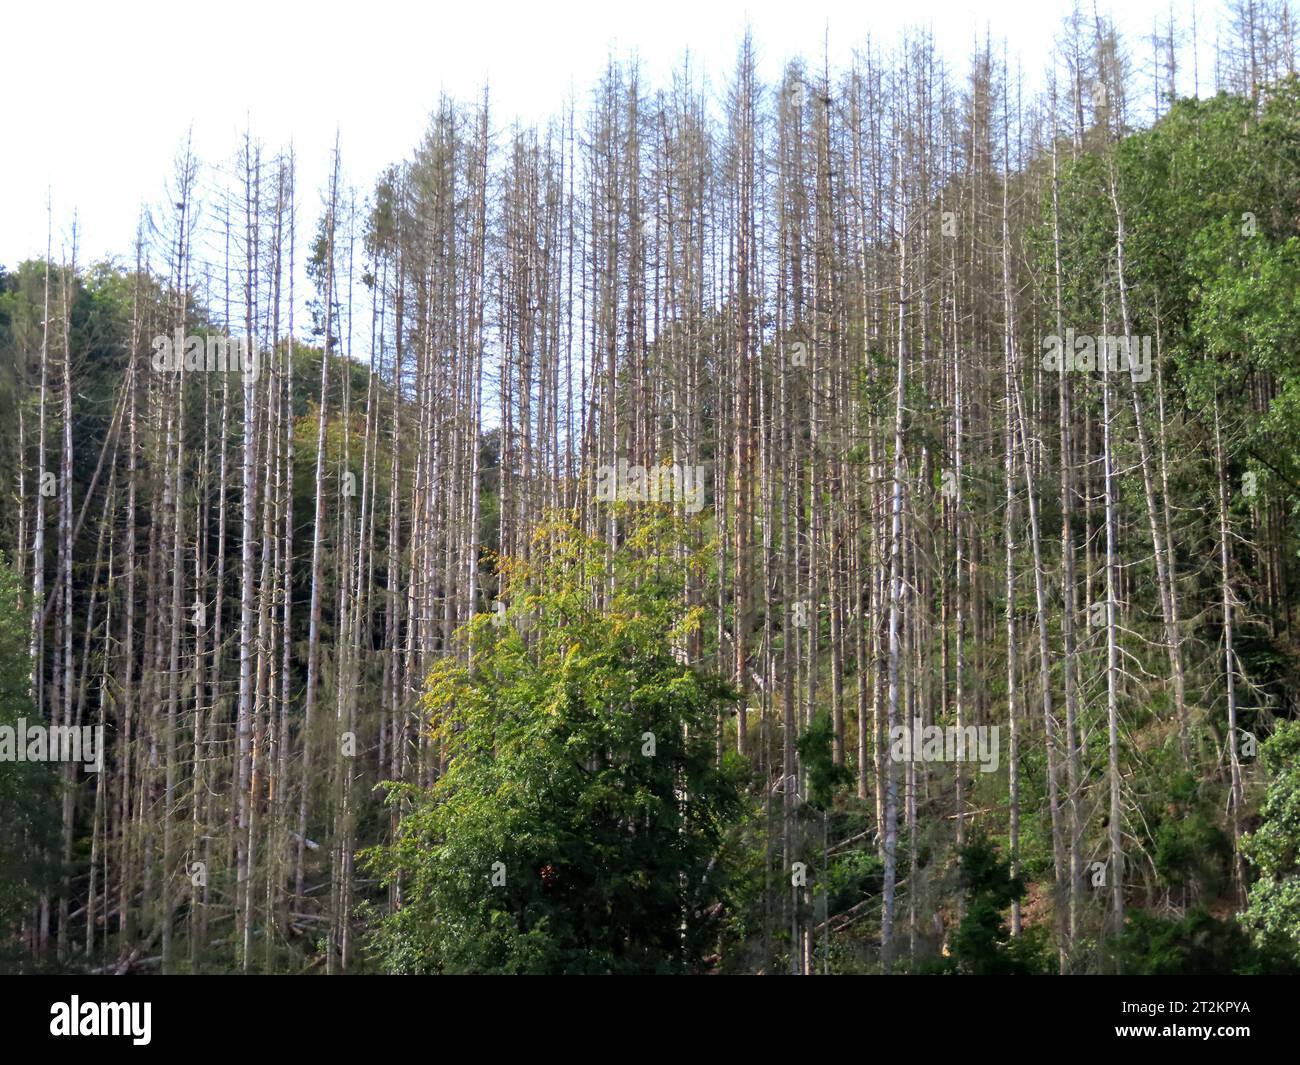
<point x="841" y="524"/>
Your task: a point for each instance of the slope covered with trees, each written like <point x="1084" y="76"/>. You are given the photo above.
<point x="569" y="575"/>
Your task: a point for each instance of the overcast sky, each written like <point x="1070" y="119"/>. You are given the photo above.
<point x="99" y="96"/>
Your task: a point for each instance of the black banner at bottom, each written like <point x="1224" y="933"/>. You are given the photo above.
<point x="346" y="1014"/>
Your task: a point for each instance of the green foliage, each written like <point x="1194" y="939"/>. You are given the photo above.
<point x="853" y="876"/>
<point x="581" y="821"/>
<point x="1273" y="849"/>
<point x="1191" y="848"/>
<point x="28" y="800"/>
<point x="815" y="755"/>
<point x="982" y="944"/>
<point x="1197" y="945"/>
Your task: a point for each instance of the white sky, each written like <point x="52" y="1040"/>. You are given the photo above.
<point x="99" y="96"/>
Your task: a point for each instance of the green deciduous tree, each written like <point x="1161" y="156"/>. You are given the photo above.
<point x="1274" y="848"/>
<point x="581" y="820"/>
